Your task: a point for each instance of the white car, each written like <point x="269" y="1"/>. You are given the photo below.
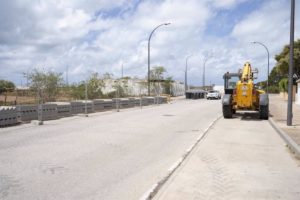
<point x="213" y="94"/>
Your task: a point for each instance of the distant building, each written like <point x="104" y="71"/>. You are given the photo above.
<point x="137" y="87"/>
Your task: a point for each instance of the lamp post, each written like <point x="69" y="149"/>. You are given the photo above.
<point x="86" y="98"/>
<point x="268" y="62"/>
<point x="291" y="67"/>
<point x="164" y="24"/>
<point x="203" y="83"/>
<point x="185" y="74"/>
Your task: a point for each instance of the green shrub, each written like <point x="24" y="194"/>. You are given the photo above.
<point x="273" y="89"/>
<point x="283" y="85"/>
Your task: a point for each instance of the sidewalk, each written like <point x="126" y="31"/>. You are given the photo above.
<point x="278" y="111"/>
<point x="240" y="158"/>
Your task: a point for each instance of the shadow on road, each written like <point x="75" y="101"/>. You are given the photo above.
<point x="247" y="116"/>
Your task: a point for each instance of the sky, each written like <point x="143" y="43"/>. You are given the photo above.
<point x="87" y="36"/>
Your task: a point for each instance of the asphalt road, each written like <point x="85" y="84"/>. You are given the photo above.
<point x="105" y="156"/>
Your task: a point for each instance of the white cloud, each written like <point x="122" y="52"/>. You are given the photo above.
<point x="269" y="25"/>
<point x="100" y="35"/>
<point x="226" y="3"/>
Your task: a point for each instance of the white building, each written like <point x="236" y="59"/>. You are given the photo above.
<point x="137" y="87"/>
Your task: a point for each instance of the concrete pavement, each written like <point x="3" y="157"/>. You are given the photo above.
<point x="278" y="111"/>
<point x="240" y="158"/>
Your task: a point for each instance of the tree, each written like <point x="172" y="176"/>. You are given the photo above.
<point x="95" y="85"/>
<point x="157" y="73"/>
<point x="107" y="76"/>
<point x="6" y="86"/>
<point x="282" y="65"/>
<point x="156" y="76"/>
<point x="158" y="79"/>
<point x="94" y="88"/>
<point x="45" y="84"/>
<point x="275" y="77"/>
<point x="77" y="91"/>
<point x="167" y="85"/>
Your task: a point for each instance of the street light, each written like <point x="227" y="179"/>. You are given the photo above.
<point x="185" y="74"/>
<point x="205" y="60"/>
<point x="268" y="61"/>
<point x="165" y="24"/>
<point x="86" y="98"/>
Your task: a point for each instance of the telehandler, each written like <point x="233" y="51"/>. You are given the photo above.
<point x="243" y="95"/>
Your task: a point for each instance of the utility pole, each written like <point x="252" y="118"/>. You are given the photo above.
<point x="185" y="73"/>
<point x="122" y="71"/>
<point x="291" y="67"/>
<point x="67" y="75"/>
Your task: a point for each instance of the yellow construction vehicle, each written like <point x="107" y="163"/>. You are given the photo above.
<point x="243" y="95"/>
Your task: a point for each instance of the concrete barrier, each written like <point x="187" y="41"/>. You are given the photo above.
<point x="49" y="112"/>
<point x="160" y="100"/>
<point x="8" y="116"/>
<point x="196" y="94"/>
<point x="122" y="102"/>
<point x="55" y="110"/>
<point x="137" y="101"/>
<point x="78" y="107"/>
<point x="148" y="101"/>
<point x="26" y="113"/>
<point x="98" y="105"/>
<point x="132" y="101"/>
<point x="108" y="104"/>
<point x="63" y="109"/>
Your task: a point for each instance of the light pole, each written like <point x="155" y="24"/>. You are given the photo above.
<point x="117" y="84"/>
<point x="86" y="97"/>
<point x="122" y="70"/>
<point x="268" y="61"/>
<point x="203" y="83"/>
<point x="185" y="74"/>
<point x="289" y="120"/>
<point x="164" y="24"/>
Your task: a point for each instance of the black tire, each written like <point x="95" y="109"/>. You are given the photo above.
<point x="227" y="111"/>
<point x="264" y="112"/>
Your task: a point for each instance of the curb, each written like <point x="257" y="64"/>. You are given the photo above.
<point x="293" y="146"/>
<point x="155" y="187"/>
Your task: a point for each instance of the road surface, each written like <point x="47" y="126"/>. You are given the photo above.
<point x="105" y="156"/>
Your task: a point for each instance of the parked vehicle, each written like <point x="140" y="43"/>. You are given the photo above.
<point x="243" y="95"/>
<point x="213" y="94"/>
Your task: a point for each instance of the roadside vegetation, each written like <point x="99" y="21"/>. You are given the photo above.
<point x="278" y="78"/>
<point x="47" y="86"/>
